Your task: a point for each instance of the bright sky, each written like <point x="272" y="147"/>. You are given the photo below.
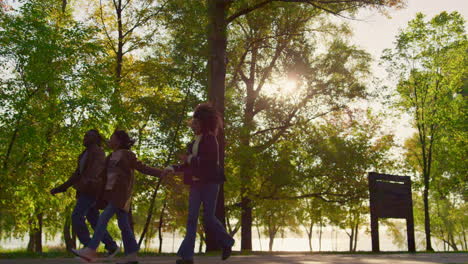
<point x="375" y="32"/>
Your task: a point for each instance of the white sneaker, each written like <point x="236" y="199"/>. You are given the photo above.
<point x="85" y="253"/>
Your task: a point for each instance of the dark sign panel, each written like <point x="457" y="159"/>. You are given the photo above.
<point x="390" y="197"/>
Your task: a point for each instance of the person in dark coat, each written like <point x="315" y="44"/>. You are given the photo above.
<point x="118" y="189"/>
<point x="203" y="173"/>
<point x="88" y="180"/>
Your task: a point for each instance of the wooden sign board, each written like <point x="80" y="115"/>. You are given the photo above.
<point x="390" y="197"/>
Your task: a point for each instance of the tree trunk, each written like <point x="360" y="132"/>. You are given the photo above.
<point x="119" y="55"/>
<point x="452" y="241"/>
<point x="427" y="221"/>
<point x="309" y="235"/>
<point x="426" y="175"/>
<point x="68" y="234"/>
<point x="161" y="223"/>
<point x="35" y="235"/>
<point x="465" y="244"/>
<point x="64" y="6"/>
<point x="245" y="175"/>
<point x="246" y="220"/>
<point x="10" y="147"/>
<point x="270" y="244"/>
<point x="356" y="237"/>
<point x="30" y="247"/>
<point x="217" y="41"/>
<point x="272" y="235"/>
<point x="351" y="239"/>
<point x="150" y="213"/>
<point x="116" y="98"/>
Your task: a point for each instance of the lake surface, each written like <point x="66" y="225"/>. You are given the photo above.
<point x="333" y="239"/>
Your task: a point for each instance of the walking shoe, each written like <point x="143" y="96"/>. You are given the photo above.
<point x="184" y="261"/>
<point x="86" y="253"/>
<point x="113" y="252"/>
<point x="226" y="253"/>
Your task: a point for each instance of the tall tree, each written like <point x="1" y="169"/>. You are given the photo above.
<point x="222" y="13"/>
<point x="423" y="60"/>
<point x="50" y="66"/>
<point x="127" y="27"/>
<point x="281" y="80"/>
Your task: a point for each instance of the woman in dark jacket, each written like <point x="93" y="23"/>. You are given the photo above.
<point x="88" y="180"/>
<point x="120" y="166"/>
<point x="204" y="175"/>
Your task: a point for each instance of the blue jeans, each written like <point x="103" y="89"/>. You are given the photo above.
<point x="128" y="237"/>
<point x="206" y="193"/>
<point x="85" y="206"/>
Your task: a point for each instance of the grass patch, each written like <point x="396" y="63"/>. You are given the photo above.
<point x="17" y="254"/>
<point x="246" y="253"/>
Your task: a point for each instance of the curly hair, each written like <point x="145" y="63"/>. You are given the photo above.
<point x="209" y="118"/>
<point x="98" y="136"/>
<point x="125" y="141"/>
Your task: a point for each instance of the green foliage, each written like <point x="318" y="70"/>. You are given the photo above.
<point x="47" y="103"/>
<point x="300" y="157"/>
<point x="431" y="63"/>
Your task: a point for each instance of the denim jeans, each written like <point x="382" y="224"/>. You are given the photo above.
<point x="128" y="237"/>
<point x="85" y="206"/>
<point x="206" y="193"/>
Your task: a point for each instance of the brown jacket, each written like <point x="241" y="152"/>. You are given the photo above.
<point x="120" y="177"/>
<point x="88" y="178"/>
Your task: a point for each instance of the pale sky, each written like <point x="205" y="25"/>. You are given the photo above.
<point x="375" y="32"/>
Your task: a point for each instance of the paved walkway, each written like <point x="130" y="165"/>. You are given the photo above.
<point x="442" y="258"/>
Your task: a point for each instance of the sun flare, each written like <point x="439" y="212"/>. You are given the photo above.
<point x="288" y="86"/>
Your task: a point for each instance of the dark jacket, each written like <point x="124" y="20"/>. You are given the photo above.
<point x="204" y="165"/>
<point x="89" y="177"/>
<point x="120" y="177"/>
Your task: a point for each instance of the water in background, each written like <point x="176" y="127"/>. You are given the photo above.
<point x="333" y="239"/>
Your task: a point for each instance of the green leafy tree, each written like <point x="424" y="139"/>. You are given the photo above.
<point x="429" y="60"/>
<point x="334" y="158"/>
<point x="51" y="92"/>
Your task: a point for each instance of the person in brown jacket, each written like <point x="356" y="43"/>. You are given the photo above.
<point x="88" y="180"/>
<point x="120" y="166"/>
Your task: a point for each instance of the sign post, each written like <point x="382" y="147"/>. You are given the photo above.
<point x="390" y="197"/>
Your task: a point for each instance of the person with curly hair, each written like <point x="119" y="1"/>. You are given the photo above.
<point x="204" y="174"/>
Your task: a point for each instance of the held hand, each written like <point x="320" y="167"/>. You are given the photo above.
<point x="166" y="172"/>
<point x="163" y="177"/>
